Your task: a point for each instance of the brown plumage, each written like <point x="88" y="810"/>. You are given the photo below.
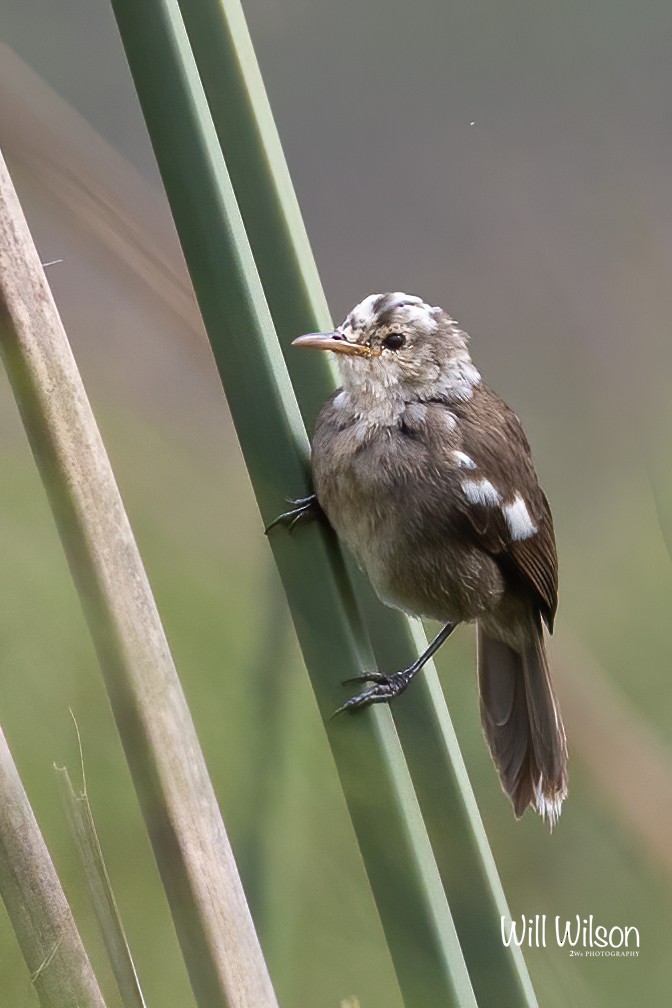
<point x="427" y="476"/>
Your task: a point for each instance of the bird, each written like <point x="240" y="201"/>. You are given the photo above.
<point x="427" y="477"/>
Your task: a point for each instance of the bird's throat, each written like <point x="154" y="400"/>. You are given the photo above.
<point x="364" y="406"/>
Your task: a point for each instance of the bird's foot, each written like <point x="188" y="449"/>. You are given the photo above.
<point x="384" y="689"/>
<point x="303" y="509"/>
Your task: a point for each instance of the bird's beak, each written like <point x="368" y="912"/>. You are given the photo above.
<point x="332" y="341"/>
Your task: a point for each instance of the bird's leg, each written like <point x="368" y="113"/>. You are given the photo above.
<point x="303" y="509"/>
<point x="388" y="686"/>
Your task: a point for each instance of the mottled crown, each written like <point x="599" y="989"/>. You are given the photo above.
<point x="380" y="310"/>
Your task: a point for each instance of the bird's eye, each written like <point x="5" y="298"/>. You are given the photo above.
<point x="394" y="341"/>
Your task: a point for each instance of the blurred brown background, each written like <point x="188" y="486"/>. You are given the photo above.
<point x="511" y="162"/>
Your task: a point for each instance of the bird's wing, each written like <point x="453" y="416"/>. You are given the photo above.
<point x="504" y="508"/>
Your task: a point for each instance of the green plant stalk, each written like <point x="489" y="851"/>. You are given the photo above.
<point x="277" y="835"/>
<point x="385" y="814"/>
<point x="249" y="140"/>
<point x="43" y="923"/>
<point x="83" y="829"/>
<point x="253" y="152"/>
<point x="192" y="850"/>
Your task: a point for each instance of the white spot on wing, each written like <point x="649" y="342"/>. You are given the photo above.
<point x="448" y="420"/>
<point x="481" y="492"/>
<point x="518" y="519"/>
<point x="463" y="460"/>
<point x="341" y="399"/>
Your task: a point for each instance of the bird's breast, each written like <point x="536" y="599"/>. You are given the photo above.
<point x="383" y="495"/>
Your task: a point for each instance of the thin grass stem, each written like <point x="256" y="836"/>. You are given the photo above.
<point x="42" y="920"/>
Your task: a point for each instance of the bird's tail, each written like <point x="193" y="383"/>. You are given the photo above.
<point x="522" y="723"/>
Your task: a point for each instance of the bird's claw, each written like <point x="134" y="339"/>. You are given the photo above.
<point x="303" y="509"/>
<point x="375" y="677"/>
<point x="384" y="689"/>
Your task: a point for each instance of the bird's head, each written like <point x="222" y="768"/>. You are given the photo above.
<point x="396" y="347"/>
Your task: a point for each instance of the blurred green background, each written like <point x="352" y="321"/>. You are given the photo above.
<point x="510" y="162"/>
